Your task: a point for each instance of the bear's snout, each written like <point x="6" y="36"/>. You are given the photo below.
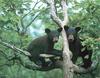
<point x="70" y="38"/>
<point x="55" y="39"/>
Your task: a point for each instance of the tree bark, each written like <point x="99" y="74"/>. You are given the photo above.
<point x="67" y="63"/>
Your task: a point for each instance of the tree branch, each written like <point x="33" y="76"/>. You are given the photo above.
<point x="31" y="10"/>
<point x="53" y="12"/>
<point x="32" y="20"/>
<point x="65" y="14"/>
<point x="14" y="48"/>
<point x="81" y="70"/>
<point x="67" y="63"/>
<point x="24" y="60"/>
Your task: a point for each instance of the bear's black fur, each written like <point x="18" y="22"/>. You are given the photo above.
<point x="44" y="45"/>
<point x="73" y="41"/>
<point x="75" y="46"/>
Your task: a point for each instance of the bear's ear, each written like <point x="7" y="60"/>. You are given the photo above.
<point x="59" y="29"/>
<point x="78" y="29"/>
<point x="47" y="30"/>
<point x="66" y="28"/>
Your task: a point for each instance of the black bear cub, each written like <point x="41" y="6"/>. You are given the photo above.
<point x="73" y="41"/>
<point x="44" y="45"/>
<point x="76" y="46"/>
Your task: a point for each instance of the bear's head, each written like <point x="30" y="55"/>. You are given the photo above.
<point x="72" y="33"/>
<point x="53" y="35"/>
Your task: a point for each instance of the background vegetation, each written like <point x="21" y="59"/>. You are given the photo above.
<point x="23" y="20"/>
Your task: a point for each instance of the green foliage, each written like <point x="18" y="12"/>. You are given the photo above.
<point x="91" y="43"/>
<point x="16" y="15"/>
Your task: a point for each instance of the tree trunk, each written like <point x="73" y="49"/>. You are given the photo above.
<point x="67" y="63"/>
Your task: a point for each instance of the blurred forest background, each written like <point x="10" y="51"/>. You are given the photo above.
<point x="21" y="21"/>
